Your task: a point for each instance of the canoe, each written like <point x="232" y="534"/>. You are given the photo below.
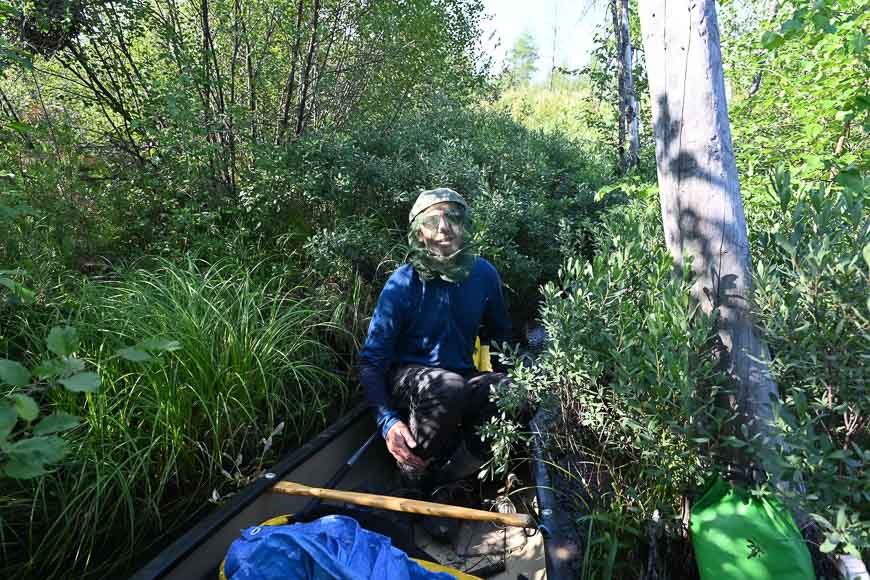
<point x="349" y="455"/>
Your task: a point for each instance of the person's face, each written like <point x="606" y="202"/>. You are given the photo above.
<point x="441" y="228"/>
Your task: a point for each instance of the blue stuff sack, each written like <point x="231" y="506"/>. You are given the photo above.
<point x="330" y="547"/>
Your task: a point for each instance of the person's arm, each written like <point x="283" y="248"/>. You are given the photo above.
<point x="378" y="352"/>
<point x="374" y="386"/>
<point x="496" y="323"/>
<point x="375" y="359"/>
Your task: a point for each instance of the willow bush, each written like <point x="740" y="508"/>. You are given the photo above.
<point x="526" y="187"/>
<point x="812" y="299"/>
<point x="630" y="364"/>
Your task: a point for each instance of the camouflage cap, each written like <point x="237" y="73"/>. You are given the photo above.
<point x="432" y="196"/>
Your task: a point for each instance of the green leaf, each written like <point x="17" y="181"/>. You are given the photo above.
<point x="20" y="127"/>
<point x="8" y="418"/>
<point x="159" y="345"/>
<point x="63" y="341"/>
<point x="133" y="354"/>
<point x="13" y="373"/>
<point x="867" y="254"/>
<point x="827" y="547"/>
<point x="53" y="367"/>
<point x="48" y="449"/>
<point x="141" y="352"/>
<point x="858" y="42"/>
<point x="55" y="423"/>
<point x="791" y="25"/>
<point x="26" y="407"/>
<point x="771" y="40"/>
<point x="82" y="383"/>
<point x="852" y="180"/>
<point x="20" y="469"/>
<point x="823" y="23"/>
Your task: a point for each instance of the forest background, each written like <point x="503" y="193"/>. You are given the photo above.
<point x="201" y="200"/>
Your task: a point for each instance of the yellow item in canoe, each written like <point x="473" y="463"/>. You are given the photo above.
<point x="482" y="360"/>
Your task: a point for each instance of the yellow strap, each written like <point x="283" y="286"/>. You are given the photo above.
<point x="433" y="567"/>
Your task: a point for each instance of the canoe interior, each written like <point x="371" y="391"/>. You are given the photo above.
<point x="198" y="554"/>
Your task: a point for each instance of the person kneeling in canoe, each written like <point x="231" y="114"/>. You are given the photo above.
<point x="416" y="366"/>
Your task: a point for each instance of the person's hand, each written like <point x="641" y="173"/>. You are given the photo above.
<point x="400" y="442"/>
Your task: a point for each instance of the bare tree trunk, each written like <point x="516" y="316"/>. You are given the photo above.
<point x="620" y="97"/>
<point x="702" y="210"/>
<point x="629" y="102"/>
<point x="306" y="73"/>
<point x="212" y="97"/>
<point x="252" y="88"/>
<point x="290" y="87"/>
<point x="320" y="66"/>
<point x="13" y="114"/>
<point x="225" y="136"/>
<point x="245" y="39"/>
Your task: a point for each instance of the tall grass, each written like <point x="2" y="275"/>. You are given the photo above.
<point x="160" y="436"/>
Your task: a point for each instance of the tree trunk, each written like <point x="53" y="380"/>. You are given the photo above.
<point x="306" y="72"/>
<point x="702" y="210"/>
<point x="620" y="91"/>
<point x="629" y="103"/>
<point x="290" y="87"/>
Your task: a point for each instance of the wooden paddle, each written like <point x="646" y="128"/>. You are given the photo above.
<point x="399" y="504"/>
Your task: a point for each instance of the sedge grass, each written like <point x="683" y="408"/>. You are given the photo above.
<point x="156" y="439"/>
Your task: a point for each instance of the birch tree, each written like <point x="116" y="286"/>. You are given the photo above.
<point x="702" y="209"/>
<point x="627" y="139"/>
<point x="628" y="97"/>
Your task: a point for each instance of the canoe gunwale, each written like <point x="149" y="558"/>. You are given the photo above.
<point x="168" y="558"/>
<point x="561" y="553"/>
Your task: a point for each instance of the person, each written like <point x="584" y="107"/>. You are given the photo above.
<point x="416" y="365"/>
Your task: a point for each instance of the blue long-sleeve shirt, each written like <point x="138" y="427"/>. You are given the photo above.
<point x="431" y="323"/>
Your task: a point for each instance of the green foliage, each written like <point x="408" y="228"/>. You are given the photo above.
<point x="26" y="449"/>
<point x="42" y="27"/>
<point x="525" y="187"/>
<point x="135" y="141"/>
<point x="630" y="364"/>
<point x="247" y="361"/>
<point x="811" y="53"/>
<point x="632" y="360"/>
<point x="566" y="110"/>
<point x="132" y="142"/>
<point x="812" y="288"/>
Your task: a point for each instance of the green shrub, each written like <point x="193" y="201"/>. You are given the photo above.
<point x="526" y="188"/>
<point x="629" y="364"/>
<point x="630" y="360"/>
<point x="812" y="289"/>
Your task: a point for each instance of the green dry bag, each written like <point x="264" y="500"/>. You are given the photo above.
<point x="741" y="537"/>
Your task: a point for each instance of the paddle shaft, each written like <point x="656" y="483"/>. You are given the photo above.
<point x="399" y="504"/>
<point x="313" y="504"/>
